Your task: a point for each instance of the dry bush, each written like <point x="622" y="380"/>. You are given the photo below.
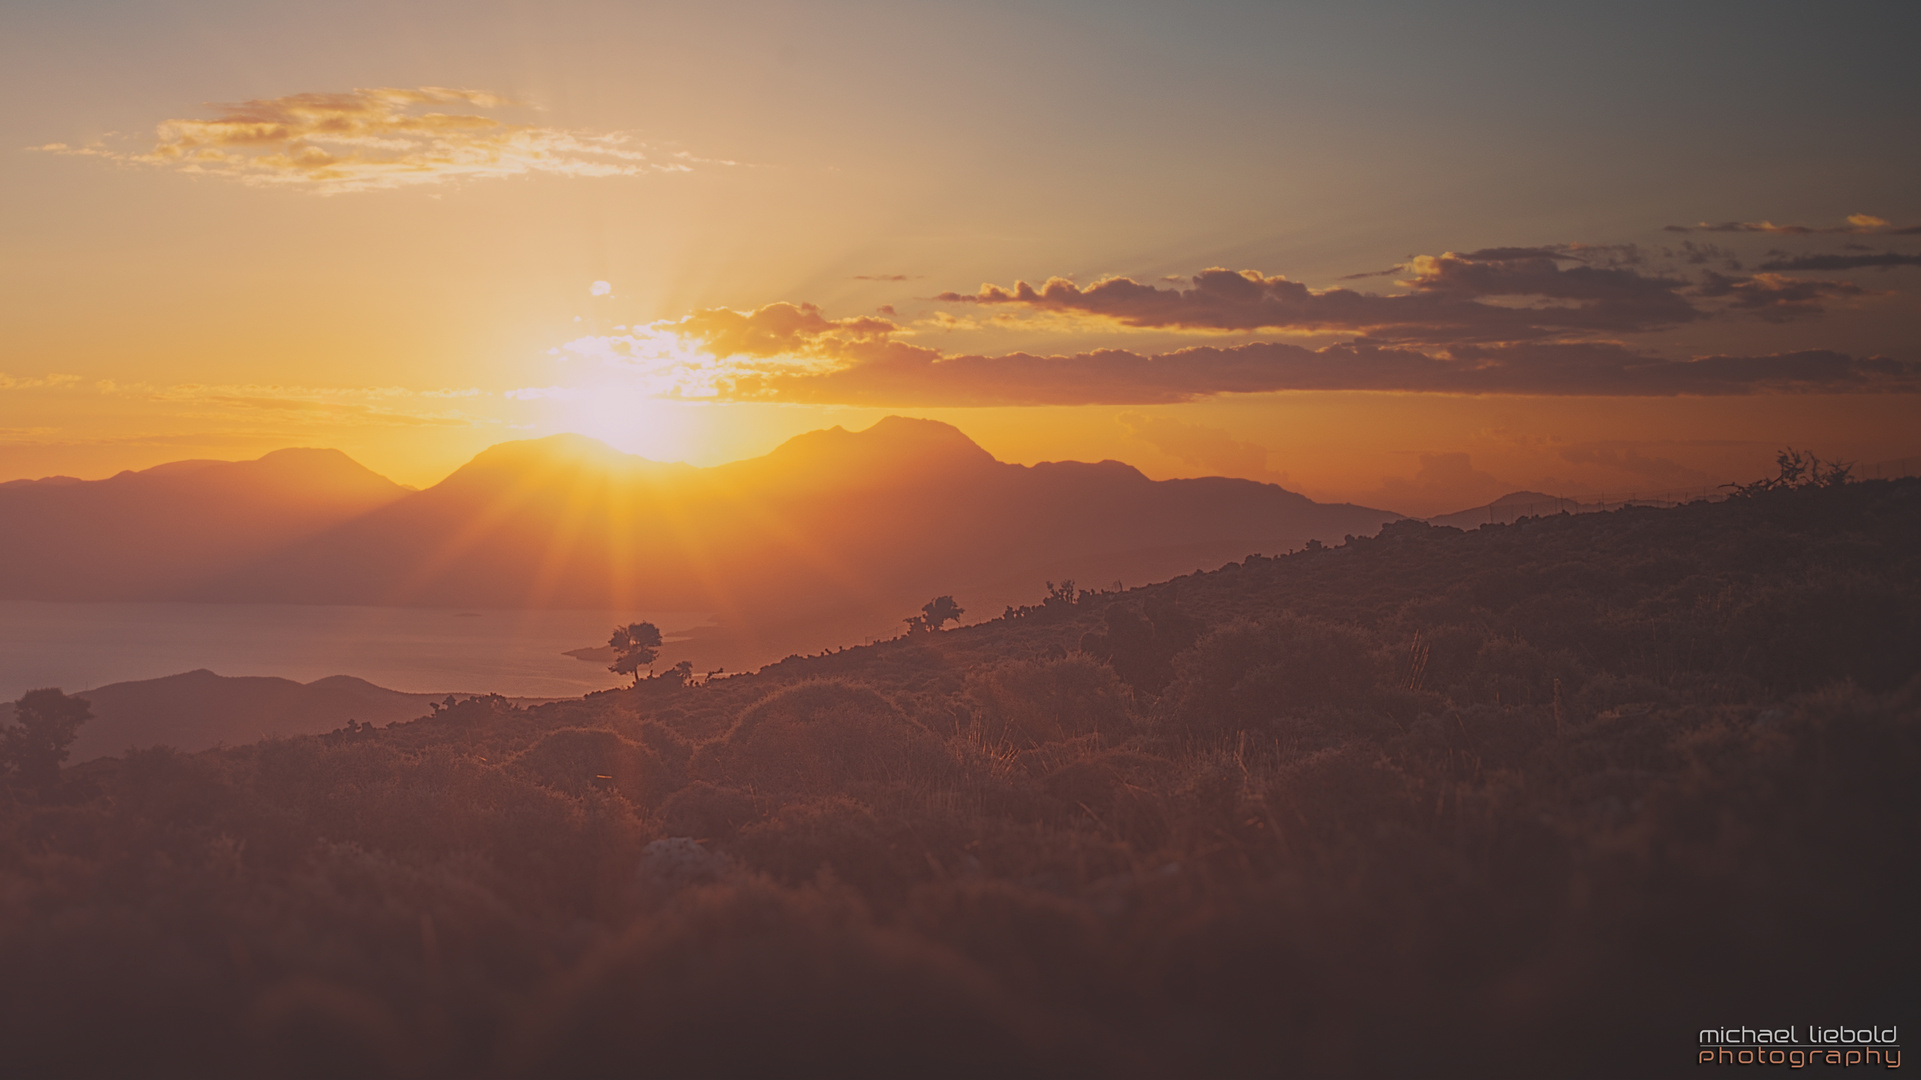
<point x="819" y="738"/>
<point x="707" y="812"/>
<point x="1245" y="674"/>
<point x="836" y="835"/>
<point x="1023" y="703"/>
<point x="577" y="760"/>
<point x="1121" y="792"/>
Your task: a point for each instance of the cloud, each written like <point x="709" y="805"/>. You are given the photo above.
<point x="1697" y="254"/>
<point x="1773" y="297"/>
<point x="1447" y="300"/>
<point x="1857" y="223"/>
<point x="600" y="288"/>
<point x="363" y="140"/>
<point x="887" y="277"/>
<point x="711" y="353"/>
<point x="40" y="382"/>
<point x="796" y="353"/>
<point x="1395" y="269"/>
<point x="922" y="377"/>
<point x="785" y="329"/>
<point x="385" y="406"/>
<point x="1740" y="227"/>
<point x="1209" y="448"/>
<point x="1842" y="262"/>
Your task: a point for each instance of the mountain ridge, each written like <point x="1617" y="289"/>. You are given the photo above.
<point x="834" y="532"/>
<point x="158" y="532"/>
<point x="198" y="709"/>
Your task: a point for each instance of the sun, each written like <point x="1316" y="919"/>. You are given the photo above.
<point x="631" y="420"/>
<point x="628" y="419"/>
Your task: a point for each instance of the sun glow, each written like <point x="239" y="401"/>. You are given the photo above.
<point x="627" y="418"/>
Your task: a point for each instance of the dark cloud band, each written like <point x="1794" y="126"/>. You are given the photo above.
<point x="1118" y="377"/>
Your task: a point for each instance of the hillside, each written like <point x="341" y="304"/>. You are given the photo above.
<point x="1543" y="798"/>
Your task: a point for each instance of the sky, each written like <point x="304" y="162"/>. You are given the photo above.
<point x="1413" y="255"/>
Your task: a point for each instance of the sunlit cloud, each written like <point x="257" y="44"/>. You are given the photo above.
<point x="793" y="353"/>
<point x="600" y="288"/>
<point x="1502" y="294"/>
<point x="1538" y="320"/>
<point x="362" y="140"/>
<point x="1774" y="297"/>
<point x="715" y="352"/>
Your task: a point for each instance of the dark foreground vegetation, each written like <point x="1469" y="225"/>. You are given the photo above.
<point x="1541" y="799"/>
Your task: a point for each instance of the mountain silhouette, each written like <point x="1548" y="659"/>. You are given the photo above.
<point x="831" y="536"/>
<point x="164" y="531"/>
<point x="835" y="518"/>
<point x="199" y="710"/>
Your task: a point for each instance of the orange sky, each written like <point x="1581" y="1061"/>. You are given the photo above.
<point x="1447" y="272"/>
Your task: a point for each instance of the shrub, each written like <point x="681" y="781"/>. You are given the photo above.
<point x="1244" y="675"/>
<point x="1026" y="703"/>
<point x="819" y="738"/>
<point x="577" y="760"/>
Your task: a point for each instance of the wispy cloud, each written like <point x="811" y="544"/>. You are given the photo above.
<point x="794" y="353"/>
<point x="1774" y="297"/>
<point x="1842" y="262"/>
<point x="331" y="143"/>
<point x="1539" y="320"/>
<point x="1861" y="224"/>
<point x="39" y="382"/>
<point x="1499" y="294"/>
<point x="281" y="404"/>
<point x="1119" y="377"/>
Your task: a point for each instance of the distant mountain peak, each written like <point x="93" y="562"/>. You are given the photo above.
<point x="893" y="446"/>
<point x="1522" y="497"/>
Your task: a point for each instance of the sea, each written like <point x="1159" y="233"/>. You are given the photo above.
<point x="80" y="646"/>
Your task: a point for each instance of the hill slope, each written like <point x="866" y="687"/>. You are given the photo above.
<point x="1528" y="800"/>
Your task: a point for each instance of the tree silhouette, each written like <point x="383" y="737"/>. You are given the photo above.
<point x="635" y="646"/>
<point x="934" y="613"/>
<point x="1799" y="469"/>
<point x="45" y="723"/>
